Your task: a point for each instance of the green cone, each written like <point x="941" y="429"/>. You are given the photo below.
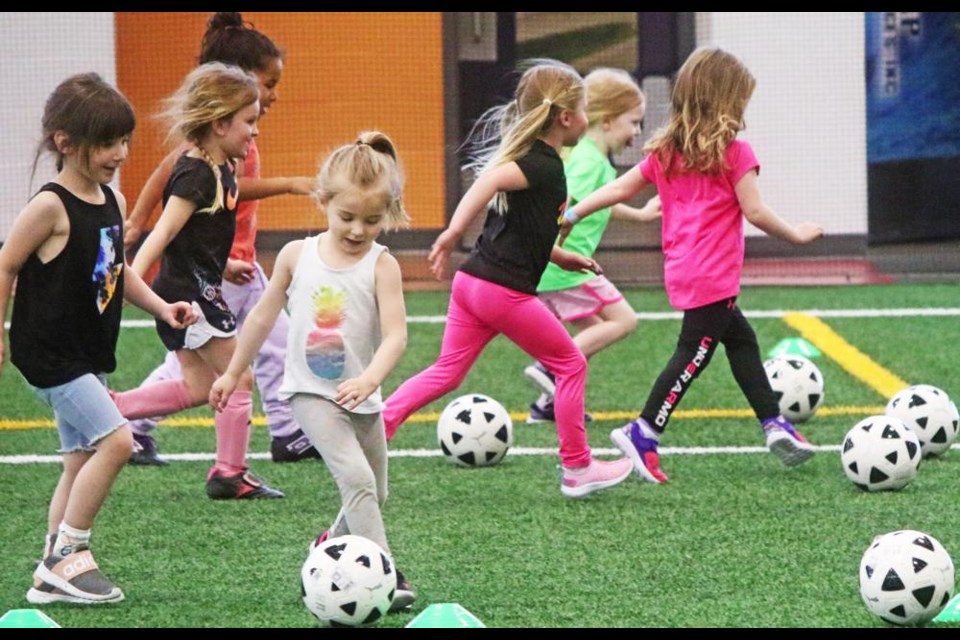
<point x="27" y="619"/>
<point x="447" y="615"/>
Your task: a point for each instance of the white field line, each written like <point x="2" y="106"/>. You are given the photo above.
<point x="676" y="315"/>
<point x="436" y="453"/>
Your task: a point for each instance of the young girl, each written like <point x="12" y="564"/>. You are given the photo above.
<point x="216" y="109"/>
<point x="707" y="182"/>
<point x="232" y="41"/>
<point x="65" y="251"/>
<point x="590" y="302"/>
<point x="495" y="290"/>
<point x="347" y="331"/>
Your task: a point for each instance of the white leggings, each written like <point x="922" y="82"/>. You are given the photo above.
<point x="354" y="449"/>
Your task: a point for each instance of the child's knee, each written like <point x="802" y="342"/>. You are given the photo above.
<point x="628" y="323"/>
<point x="117" y="444"/>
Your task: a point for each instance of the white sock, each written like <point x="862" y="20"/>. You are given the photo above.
<point x="647" y="431"/>
<point x="70" y="540"/>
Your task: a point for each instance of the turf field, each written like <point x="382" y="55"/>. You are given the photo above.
<point x="734" y="540"/>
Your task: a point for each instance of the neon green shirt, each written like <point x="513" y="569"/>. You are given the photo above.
<point x="587" y="169"/>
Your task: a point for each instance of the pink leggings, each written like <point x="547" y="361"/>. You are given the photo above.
<point x="479" y="311"/>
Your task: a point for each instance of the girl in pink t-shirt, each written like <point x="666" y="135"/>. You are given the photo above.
<point x="707" y="182"/>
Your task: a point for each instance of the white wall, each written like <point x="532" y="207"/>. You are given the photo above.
<point x="40" y="50"/>
<point x="807" y="118"/>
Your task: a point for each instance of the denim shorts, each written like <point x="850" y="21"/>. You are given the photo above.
<point x="84" y="412"/>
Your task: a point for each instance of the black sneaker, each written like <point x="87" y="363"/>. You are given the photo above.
<point x="293" y="448"/>
<point x="404" y="596"/>
<point x="145" y="452"/>
<point x="240" y="486"/>
<point x="540" y="414"/>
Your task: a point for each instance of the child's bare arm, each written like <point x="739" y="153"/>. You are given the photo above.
<point x="260" y="188"/>
<point x="258" y="324"/>
<point x="150" y="196"/>
<point x="648" y="213"/>
<point x="764" y="218"/>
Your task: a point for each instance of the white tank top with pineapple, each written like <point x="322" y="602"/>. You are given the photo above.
<point x="334" y="325"/>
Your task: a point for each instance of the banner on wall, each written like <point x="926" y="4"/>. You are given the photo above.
<point x="913" y="125"/>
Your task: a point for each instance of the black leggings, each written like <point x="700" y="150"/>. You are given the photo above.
<point x="703" y="329"/>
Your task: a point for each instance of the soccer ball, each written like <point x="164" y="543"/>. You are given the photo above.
<point x="798" y="385"/>
<point x="930" y="413"/>
<point x="880" y="453"/>
<point x="906" y="577"/>
<point x="348" y="581"/>
<point x="475" y="431"/>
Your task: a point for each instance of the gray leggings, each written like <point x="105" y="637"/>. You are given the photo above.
<point x="354" y="448"/>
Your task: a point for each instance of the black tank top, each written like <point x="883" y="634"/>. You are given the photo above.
<point x="66" y="313"/>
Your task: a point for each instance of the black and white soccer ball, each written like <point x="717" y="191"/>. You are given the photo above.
<point x="798" y="385"/>
<point x="880" y="453"/>
<point x="930" y="413"/>
<point x="906" y="577"/>
<point x="475" y="430"/>
<point x="348" y="581"/>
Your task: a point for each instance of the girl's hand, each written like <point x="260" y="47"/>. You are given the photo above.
<point x="440" y="253"/>
<point x="179" y="315"/>
<point x="303" y="186"/>
<point x="238" y="272"/>
<point x="571" y="261"/>
<point x="352" y="392"/>
<point x="652" y="210"/>
<point x="223" y="387"/>
<point x="807" y="232"/>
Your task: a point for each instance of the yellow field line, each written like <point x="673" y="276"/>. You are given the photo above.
<point x="688" y="414"/>
<point x="854" y="361"/>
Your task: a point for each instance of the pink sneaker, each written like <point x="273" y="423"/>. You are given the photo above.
<point x="599" y="474"/>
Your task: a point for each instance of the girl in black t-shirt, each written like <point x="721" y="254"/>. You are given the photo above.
<point x="520" y="179"/>
<point x="65" y="252"/>
<point x="216" y="109"/>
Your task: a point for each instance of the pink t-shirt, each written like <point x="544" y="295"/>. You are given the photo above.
<point x="702" y="228"/>
<point x="245" y="238"/>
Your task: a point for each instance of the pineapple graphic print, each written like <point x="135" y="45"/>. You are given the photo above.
<point x="326" y="354"/>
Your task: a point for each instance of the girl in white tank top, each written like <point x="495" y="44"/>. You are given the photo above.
<point x="347" y="332"/>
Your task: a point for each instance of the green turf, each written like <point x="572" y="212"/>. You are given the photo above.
<point x="734" y="540"/>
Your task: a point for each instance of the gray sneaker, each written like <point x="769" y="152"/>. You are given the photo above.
<point x="73" y="578"/>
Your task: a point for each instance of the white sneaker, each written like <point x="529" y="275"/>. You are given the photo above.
<point x="539" y="376"/>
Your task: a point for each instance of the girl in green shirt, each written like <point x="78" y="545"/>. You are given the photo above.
<point x="590" y="302"/>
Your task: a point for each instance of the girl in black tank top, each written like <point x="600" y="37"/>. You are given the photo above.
<point x="65" y="251"/>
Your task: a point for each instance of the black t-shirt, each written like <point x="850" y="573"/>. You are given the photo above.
<point x="193" y="263"/>
<point x="66" y="313"/>
<point x="514" y="248"/>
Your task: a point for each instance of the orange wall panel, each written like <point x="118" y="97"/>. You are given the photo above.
<point x="343" y="73"/>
